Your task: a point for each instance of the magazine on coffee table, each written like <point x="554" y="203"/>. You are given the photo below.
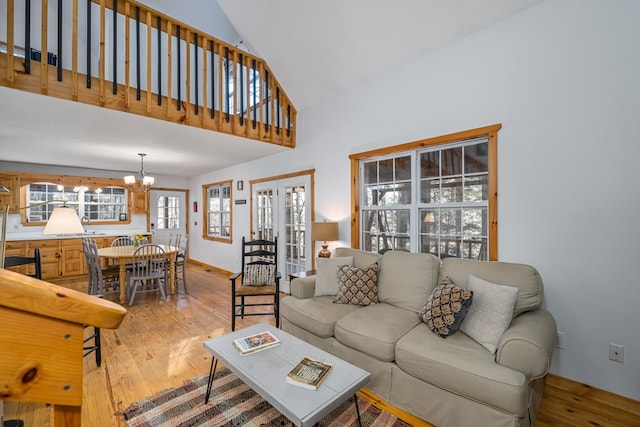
<point x="254" y="343"/>
<point x="309" y="373"/>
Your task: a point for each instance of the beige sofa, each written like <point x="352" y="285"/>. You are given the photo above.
<point x="448" y="382"/>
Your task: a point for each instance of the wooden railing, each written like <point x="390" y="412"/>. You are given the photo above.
<point x="142" y="62"/>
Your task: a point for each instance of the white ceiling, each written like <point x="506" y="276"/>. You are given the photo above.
<point x="314" y="48"/>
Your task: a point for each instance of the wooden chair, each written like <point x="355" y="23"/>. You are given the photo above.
<point x="17" y="261"/>
<point x="122" y="241"/>
<point x="149" y="272"/>
<point x="181" y="263"/>
<point x="259" y="278"/>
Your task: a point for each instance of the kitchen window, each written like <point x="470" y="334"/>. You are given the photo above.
<point x="103" y="204"/>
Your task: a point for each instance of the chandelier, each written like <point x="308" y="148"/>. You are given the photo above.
<point x="146" y="180"/>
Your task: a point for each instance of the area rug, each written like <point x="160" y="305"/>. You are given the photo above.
<point x="233" y="403"/>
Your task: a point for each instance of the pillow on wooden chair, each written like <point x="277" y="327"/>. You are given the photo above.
<point x="259" y="275"/>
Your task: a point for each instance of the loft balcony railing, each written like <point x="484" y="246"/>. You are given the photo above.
<point x="122" y="55"/>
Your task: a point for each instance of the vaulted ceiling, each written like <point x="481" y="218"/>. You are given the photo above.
<point x="315" y="49"/>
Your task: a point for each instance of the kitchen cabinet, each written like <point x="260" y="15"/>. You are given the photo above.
<point x="139" y="200"/>
<point x="72" y="262"/>
<point x="49" y="257"/>
<point x="12" y="183"/>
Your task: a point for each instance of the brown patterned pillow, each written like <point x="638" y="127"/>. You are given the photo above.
<point x="357" y="285"/>
<point x="446" y="307"/>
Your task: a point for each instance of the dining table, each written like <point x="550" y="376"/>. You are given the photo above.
<point x="124" y="254"/>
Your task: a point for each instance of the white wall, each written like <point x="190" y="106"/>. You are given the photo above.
<point x="562" y="78"/>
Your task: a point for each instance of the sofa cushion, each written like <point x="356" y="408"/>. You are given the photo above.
<point x="316" y="315"/>
<point x="360" y="258"/>
<point x="491" y="312"/>
<point x="358" y="285"/>
<point x="407" y="279"/>
<point x="462" y="366"/>
<point x="522" y="276"/>
<point x="446" y="308"/>
<point x="327" y="282"/>
<point x="375" y="329"/>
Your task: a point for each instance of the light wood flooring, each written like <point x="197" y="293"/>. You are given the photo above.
<point x="159" y="345"/>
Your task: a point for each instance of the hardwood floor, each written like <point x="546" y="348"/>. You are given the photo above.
<point x="159" y="345"/>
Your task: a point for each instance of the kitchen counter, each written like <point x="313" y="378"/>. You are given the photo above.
<point x="16" y="237"/>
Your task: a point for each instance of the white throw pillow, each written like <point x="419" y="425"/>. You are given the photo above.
<point x="491" y="312"/>
<point x="327" y="282"/>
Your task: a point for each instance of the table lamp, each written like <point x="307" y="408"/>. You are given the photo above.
<point x="323" y="231"/>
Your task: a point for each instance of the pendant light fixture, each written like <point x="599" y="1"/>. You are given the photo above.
<point x="146" y="180"/>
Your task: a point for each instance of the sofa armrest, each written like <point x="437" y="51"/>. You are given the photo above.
<point x="303" y="287"/>
<point x="527" y="346"/>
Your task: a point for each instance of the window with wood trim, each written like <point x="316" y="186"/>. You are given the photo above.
<point x="104" y="204"/>
<point x="218" y="211"/>
<point x="434" y="196"/>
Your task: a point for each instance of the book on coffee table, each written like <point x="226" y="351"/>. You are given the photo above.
<point x="309" y="373"/>
<point x="254" y="343"/>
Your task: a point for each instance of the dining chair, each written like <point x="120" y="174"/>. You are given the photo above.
<point x="122" y="241"/>
<point x="149" y="273"/>
<point x="16" y="261"/>
<point x="181" y="263"/>
<point x="259" y="278"/>
<point x="101" y="280"/>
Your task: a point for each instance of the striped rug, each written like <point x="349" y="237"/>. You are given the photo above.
<point x="233" y="403"/>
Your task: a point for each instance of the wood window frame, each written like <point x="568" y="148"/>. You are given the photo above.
<point x="25" y="178"/>
<point x="205" y="211"/>
<point x="490" y="132"/>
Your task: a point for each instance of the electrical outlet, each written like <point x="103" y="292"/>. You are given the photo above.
<point x="616" y="352"/>
<point x="561" y="340"/>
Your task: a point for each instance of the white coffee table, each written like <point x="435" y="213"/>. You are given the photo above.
<point x="266" y="372"/>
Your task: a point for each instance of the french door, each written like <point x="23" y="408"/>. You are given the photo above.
<point x="281" y="208"/>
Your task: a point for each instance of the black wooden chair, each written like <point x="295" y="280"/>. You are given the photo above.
<point x="16" y="261"/>
<point x="258" y="280"/>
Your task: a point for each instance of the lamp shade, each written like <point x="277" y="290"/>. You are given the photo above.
<point x="324" y="231"/>
<point x="63" y="220"/>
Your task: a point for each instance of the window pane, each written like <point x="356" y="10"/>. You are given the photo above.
<point x="476" y="158"/>
<point x="476" y="188"/>
<point x="451" y="190"/>
<point x="403" y="168"/>
<point x="430" y="191"/>
<point x="452" y="161"/>
<point x="450" y="222"/>
<point x="386" y="170"/>
<point x="429" y="164"/>
<point x="370" y="172"/>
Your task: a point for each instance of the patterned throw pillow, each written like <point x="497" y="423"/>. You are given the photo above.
<point x="446" y="307"/>
<point x="259" y="275"/>
<point x="357" y="285"/>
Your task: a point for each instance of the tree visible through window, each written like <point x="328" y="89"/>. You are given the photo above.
<point x="430" y="196"/>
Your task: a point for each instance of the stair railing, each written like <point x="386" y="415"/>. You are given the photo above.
<point x="123" y="55"/>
